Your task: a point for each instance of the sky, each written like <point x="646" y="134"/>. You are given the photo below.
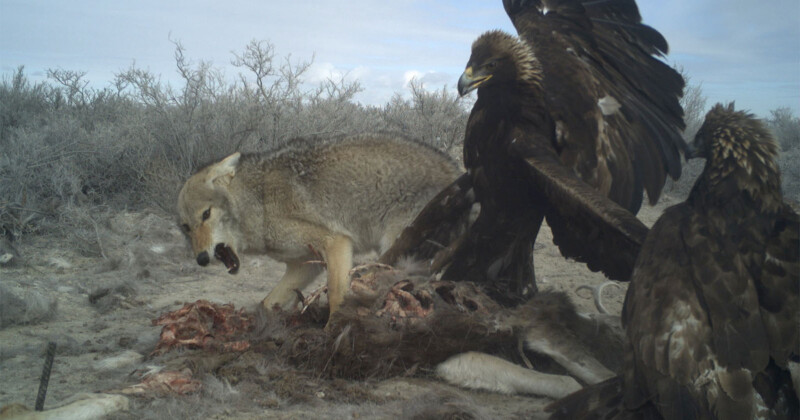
<point x="742" y="50"/>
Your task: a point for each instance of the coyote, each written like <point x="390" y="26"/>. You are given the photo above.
<point x="311" y="198"/>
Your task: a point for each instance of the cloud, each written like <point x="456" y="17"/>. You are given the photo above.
<point x="720" y="43"/>
<point x="411" y="75"/>
<point x="429" y="79"/>
<point x="321" y="72"/>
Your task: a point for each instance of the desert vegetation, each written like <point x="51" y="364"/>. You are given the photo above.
<point x="73" y="154"/>
<point x="784" y="126"/>
<point x="88" y="184"/>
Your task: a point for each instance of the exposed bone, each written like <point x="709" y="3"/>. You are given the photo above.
<point x="597" y="294"/>
<point x="319" y="259"/>
<point x="313" y="297"/>
<point x="521" y="350"/>
<point x="165" y="383"/>
<point x="401" y="303"/>
<point x="126" y="358"/>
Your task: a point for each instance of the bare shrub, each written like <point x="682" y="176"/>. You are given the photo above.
<point x="789" y="161"/>
<point x="179" y="125"/>
<point x="21" y="102"/>
<point x="694" y="107"/>
<point x="21" y="106"/>
<point x="785" y="127"/>
<point x="73" y="154"/>
<point x="330" y="110"/>
<point x="55" y="161"/>
<point x="274" y="89"/>
<point x="73" y="89"/>
<point x="209" y="118"/>
<point x="437" y="117"/>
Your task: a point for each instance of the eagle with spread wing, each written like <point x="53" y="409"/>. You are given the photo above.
<point x="575" y="119"/>
<point x="712" y="309"/>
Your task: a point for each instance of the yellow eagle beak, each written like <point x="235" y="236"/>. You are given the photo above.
<point x="468" y="82"/>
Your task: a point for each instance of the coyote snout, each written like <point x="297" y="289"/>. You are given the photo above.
<point x="333" y="197"/>
<point x="203" y="259"/>
<point x="224" y="254"/>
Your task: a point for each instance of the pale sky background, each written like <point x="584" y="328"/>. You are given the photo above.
<point x="743" y="50"/>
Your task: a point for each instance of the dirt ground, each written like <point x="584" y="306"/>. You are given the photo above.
<point x="147" y="270"/>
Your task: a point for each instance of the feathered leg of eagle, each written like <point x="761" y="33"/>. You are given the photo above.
<point x="496" y="251"/>
<point x="440" y="221"/>
<point x="498" y="254"/>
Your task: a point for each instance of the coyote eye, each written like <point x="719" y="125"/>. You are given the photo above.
<point x="186" y="228"/>
<point x="207" y="214"/>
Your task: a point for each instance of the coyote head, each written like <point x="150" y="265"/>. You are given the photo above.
<point x="204" y="207"/>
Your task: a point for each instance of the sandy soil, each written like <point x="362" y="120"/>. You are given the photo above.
<point x="148" y="270"/>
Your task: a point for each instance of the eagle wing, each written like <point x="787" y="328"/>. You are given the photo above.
<point x="580" y="217"/>
<point x="711" y="312"/>
<point x="779" y="287"/>
<point x="694" y="319"/>
<point x="616" y="105"/>
<point x="658" y="296"/>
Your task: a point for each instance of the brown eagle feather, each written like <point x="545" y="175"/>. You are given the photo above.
<point x="575" y="119"/>
<point x="712" y="309"/>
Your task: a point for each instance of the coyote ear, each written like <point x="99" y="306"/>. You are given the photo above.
<point x="224" y="171"/>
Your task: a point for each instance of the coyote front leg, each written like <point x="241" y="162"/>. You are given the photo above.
<point x="338" y="253"/>
<point x="299" y="274"/>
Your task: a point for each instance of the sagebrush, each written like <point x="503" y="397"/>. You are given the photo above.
<point x="67" y="146"/>
<point x="72" y="155"/>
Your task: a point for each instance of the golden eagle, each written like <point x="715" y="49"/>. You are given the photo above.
<point x="712" y="309"/>
<point x="576" y="110"/>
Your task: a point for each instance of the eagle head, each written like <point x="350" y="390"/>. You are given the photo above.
<point x="735" y="136"/>
<point x="499" y="59"/>
<point x="737" y="144"/>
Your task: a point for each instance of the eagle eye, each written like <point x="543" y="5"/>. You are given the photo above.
<point x="207" y="214"/>
<point x="492" y="64"/>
